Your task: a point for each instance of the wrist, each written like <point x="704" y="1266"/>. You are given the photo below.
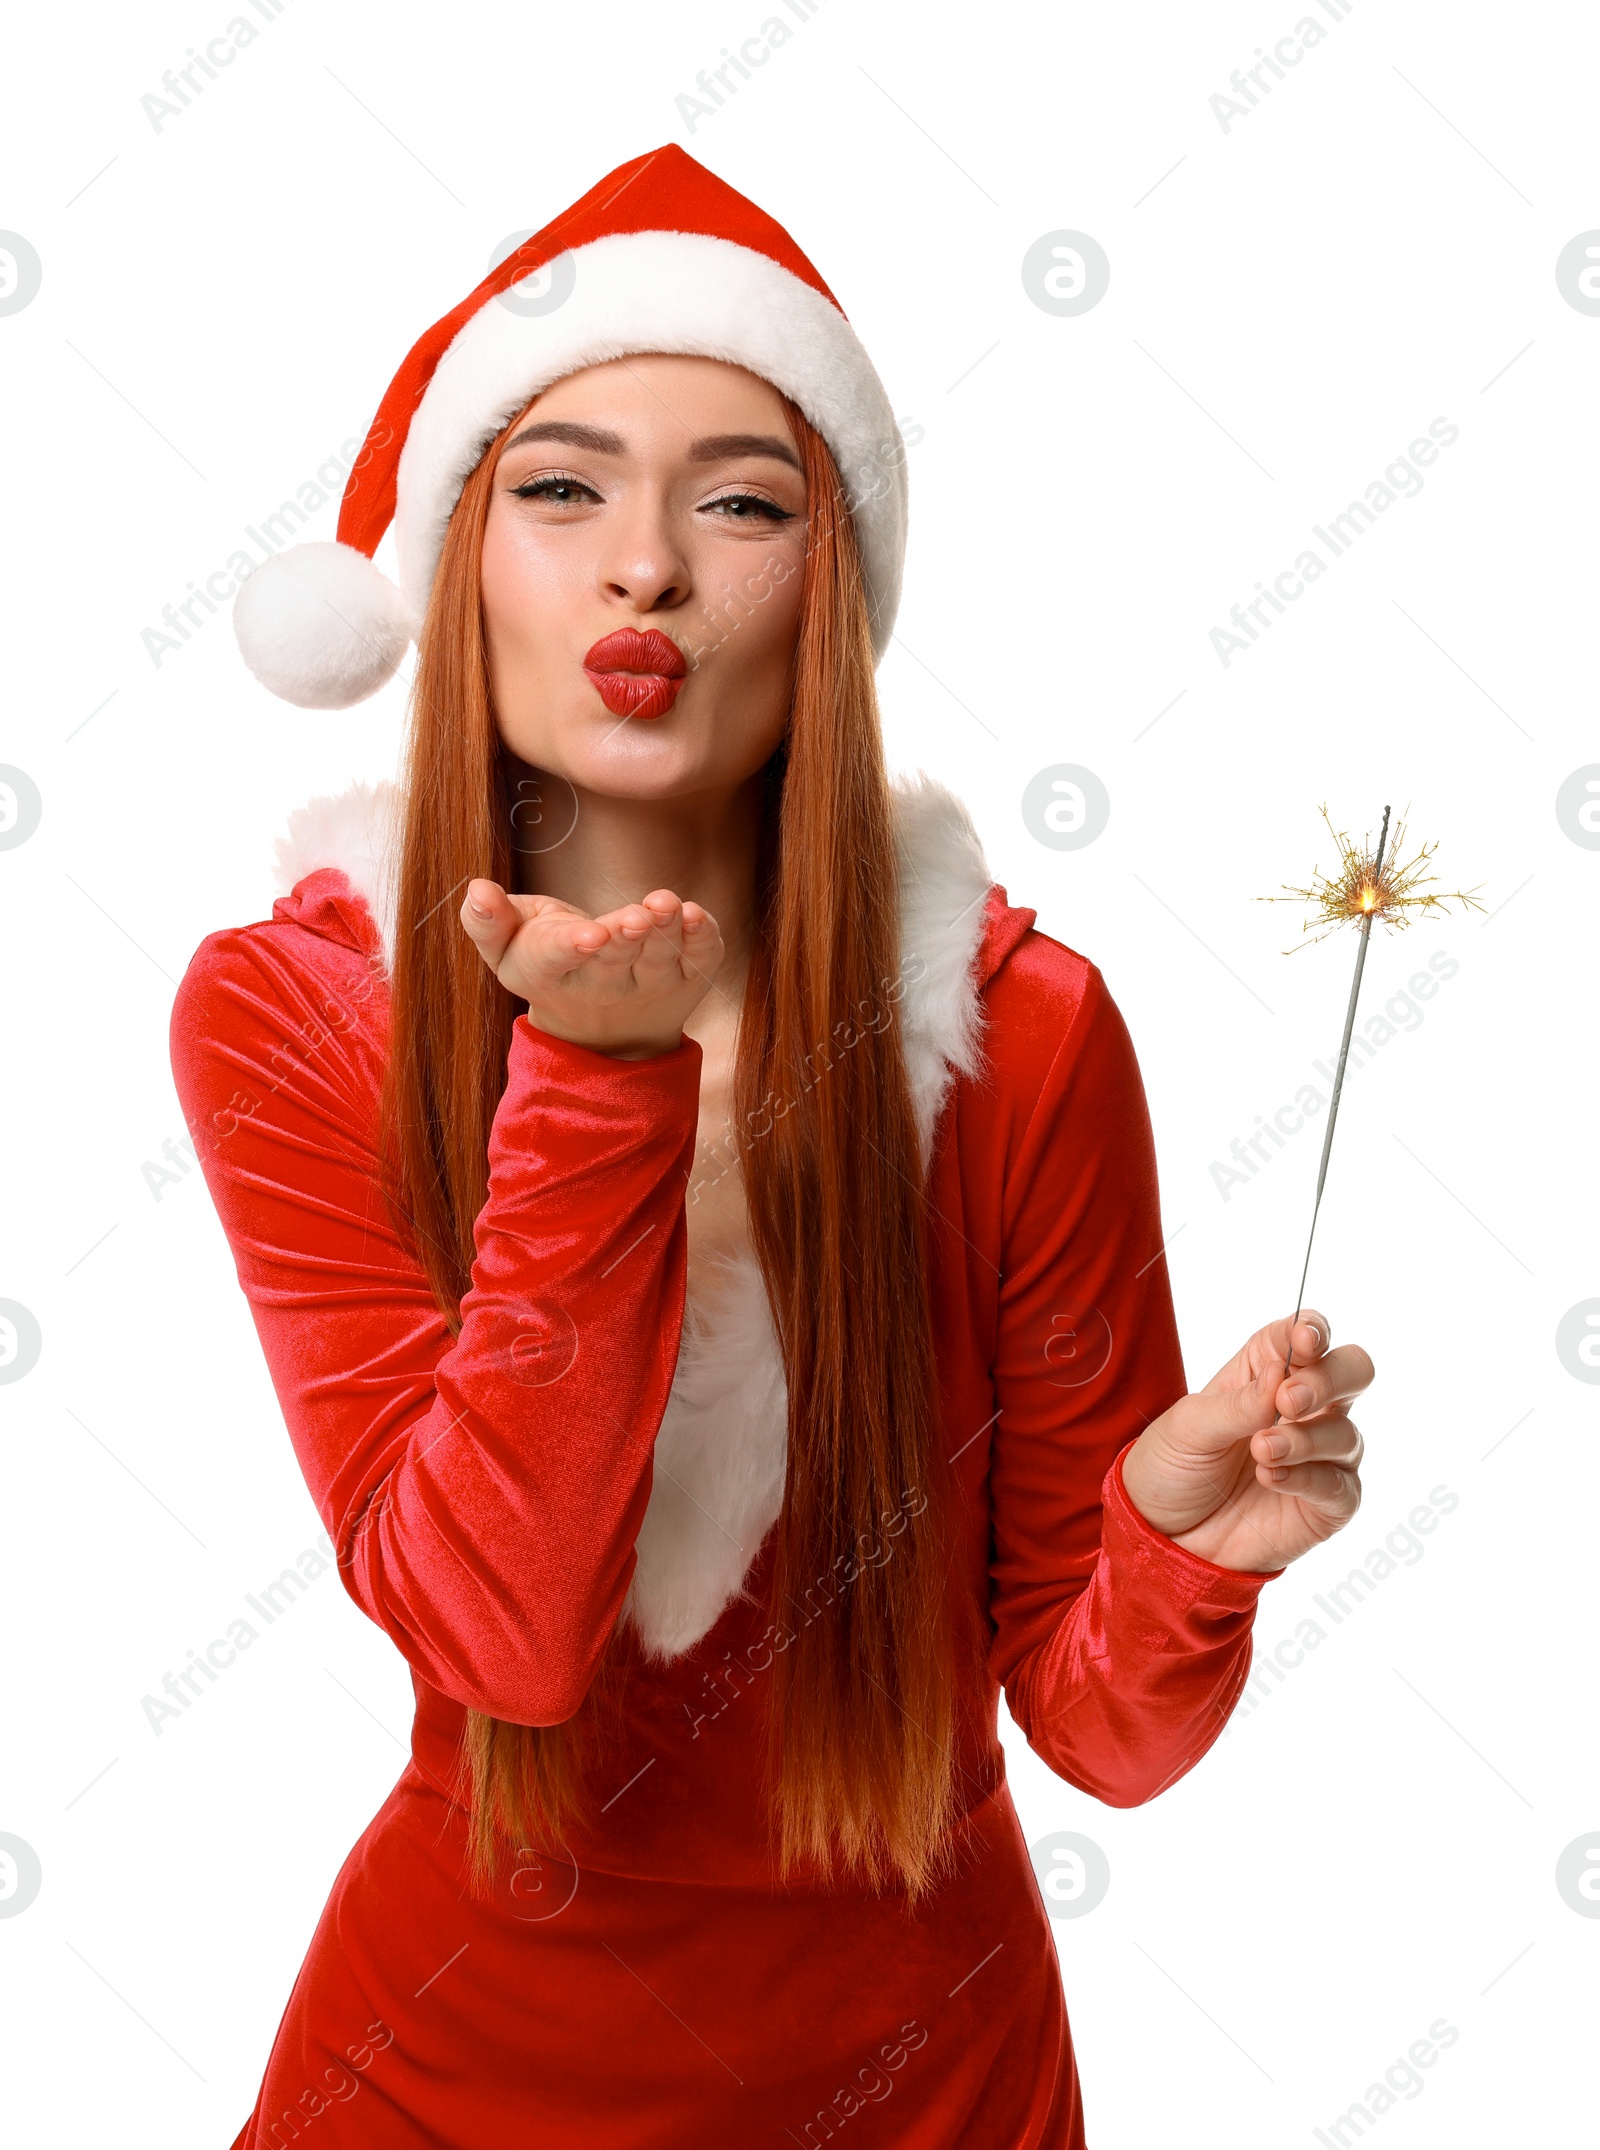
<point x="1187" y="1569"/>
<point x="1159" y="1491"/>
<point x="1179" y="1496"/>
<point x="622" y="1046"/>
<point x="1219" y="1546"/>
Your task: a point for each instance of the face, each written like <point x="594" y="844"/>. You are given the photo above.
<point x="647" y="520"/>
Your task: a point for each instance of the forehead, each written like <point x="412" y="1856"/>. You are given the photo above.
<point x="665" y="394"/>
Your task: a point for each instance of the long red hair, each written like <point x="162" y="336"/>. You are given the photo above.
<point x="862" y="1716"/>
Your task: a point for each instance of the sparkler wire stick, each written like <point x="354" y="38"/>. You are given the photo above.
<point x="1338" y="1086"/>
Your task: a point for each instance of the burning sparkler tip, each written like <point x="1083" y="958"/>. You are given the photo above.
<point x="1370" y="886"/>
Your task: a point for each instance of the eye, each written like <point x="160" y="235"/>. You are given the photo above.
<point x="747" y="507"/>
<point x="558" y="487"/>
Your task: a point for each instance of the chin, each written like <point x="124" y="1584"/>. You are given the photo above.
<point x="643" y="761"/>
<point x="666" y="757"/>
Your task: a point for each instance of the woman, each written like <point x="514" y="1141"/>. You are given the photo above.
<point x="706" y="1246"/>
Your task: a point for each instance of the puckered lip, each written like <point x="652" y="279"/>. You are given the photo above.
<point x="642" y="651"/>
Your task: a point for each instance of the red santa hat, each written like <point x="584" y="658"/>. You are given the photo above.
<point x="660" y="256"/>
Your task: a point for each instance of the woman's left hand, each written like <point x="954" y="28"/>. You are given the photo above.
<point x="1223" y="1480"/>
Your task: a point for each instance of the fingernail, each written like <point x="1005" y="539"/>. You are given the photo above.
<point x="1299" y="1397"/>
<point x="478" y="910"/>
<point x="1278" y="1447"/>
<point x="1277" y="1476"/>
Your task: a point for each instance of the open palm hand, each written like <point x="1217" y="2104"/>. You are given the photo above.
<point x="621" y="984"/>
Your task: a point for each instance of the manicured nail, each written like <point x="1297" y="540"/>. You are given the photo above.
<point x="1278" y="1447"/>
<point x="1299" y="1397"/>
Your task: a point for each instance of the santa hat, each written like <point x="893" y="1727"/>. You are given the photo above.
<point x="660" y="256"/>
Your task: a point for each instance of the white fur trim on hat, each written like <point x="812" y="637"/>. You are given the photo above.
<point x="320" y="626"/>
<point x="680" y="292"/>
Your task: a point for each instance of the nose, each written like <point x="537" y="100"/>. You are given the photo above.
<point x="644" y="564"/>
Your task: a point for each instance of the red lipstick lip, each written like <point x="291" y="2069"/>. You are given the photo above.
<point x="637" y="673"/>
<point x="632" y="649"/>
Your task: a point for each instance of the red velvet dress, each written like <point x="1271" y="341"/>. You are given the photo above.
<point x="661" y="1991"/>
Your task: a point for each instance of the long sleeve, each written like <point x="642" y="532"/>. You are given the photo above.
<point x="1120" y="1653"/>
<point x="484" y="1492"/>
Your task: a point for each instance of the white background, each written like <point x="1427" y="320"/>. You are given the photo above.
<point x="1292" y="301"/>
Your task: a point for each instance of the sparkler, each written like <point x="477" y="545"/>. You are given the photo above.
<point x="1364" y="889"/>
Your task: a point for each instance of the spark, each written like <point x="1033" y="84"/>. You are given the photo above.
<point x="1370" y="887"/>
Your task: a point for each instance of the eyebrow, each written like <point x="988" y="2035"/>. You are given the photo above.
<point x="714" y="448"/>
<point x="594" y="438"/>
<point x="719" y="447"/>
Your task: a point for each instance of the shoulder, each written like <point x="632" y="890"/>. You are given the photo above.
<point x="1040" y="996"/>
<point x="1054" y="1040"/>
<point x="1056" y="1120"/>
<point x="1033" y="975"/>
<point x="311" y="973"/>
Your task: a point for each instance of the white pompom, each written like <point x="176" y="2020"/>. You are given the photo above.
<point x="321" y="626"/>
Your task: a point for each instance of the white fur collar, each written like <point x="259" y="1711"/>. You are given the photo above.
<point x="720" y="1452"/>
